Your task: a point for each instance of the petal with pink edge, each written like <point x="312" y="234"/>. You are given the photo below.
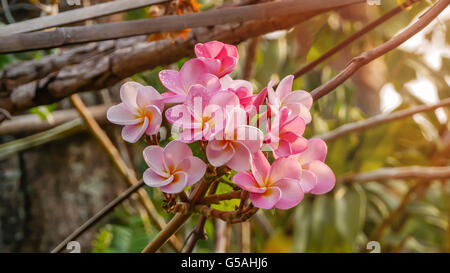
<point x="299" y="96"/>
<point x="194" y="167"/>
<point x="219" y="158"/>
<point x="260" y="167"/>
<point x="121" y="115"/>
<point x="154" y="157"/>
<point x="132" y="133"/>
<point x="178" y="183"/>
<point x="224" y="99"/>
<point x="251" y="137"/>
<point x="241" y="159"/>
<point x="155" y="122"/>
<point x="266" y="200"/>
<point x="191" y="72"/>
<point x="291" y="193"/>
<point x="285" y="168"/>
<point x="152" y="179"/>
<point x="316" y="150"/>
<point x="175" y="152"/>
<point x="325" y="177"/>
<point x="284" y="87"/>
<point x="308" y="181"/>
<point x="128" y="94"/>
<point x="247" y="182"/>
<point x="171" y="79"/>
<point x="147" y="95"/>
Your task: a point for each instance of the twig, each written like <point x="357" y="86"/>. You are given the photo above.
<point x="374" y="53"/>
<point x="77" y="15"/>
<point x="199" y="231"/>
<point x="216" y="198"/>
<point x="372" y="25"/>
<point x="98" y="216"/>
<point x="380" y="119"/>
<point x="59" y="132"/>
<point x="121" y="166"/>
<point x="25" y="124"/>
<point x="411" y="172"/>
<point x="246" y="237"/>
<point x="83" y="34"/>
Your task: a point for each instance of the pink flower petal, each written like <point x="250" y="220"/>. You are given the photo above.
<point x="152" y="179"/>
<point x="285" y="168"/>
<point x="177" y="185"/>
<point x="300" y="110"/>
<point x="155" y="122"/>
<point x="284" y="87"/>
<point x="120" y="115"/>
<point x="172" y="97"/>
<point x="178" y="114"/>
<point x="247" y="182"/>
<point x="191" y="72"/>
<point x="219" y="158"/>
<point x="224" y="99"/>
<point x="147" y="95"/>
<point x="325" y="177"/>
<point x="175" y="152"/>
<point x="132" y="133"/>
<point x="299" y="96"/>
<point x="208" y="50"/>
<point x="266" y="200"/>
<point x="194" y="167"/>
<point x="291" y="193"/>
<point x="317" y="150"/>
<point x="296" y="125"/>
<point x="260" y="167"/>
<point x="241" y="159"/>
<point x="171" y="79"/>
<point x="154" y="157"/>
<point x="308" y="181"/>
<point x="251" y="137"/>
<point x="128" y="94"/>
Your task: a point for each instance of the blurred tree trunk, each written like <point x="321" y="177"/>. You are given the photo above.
<point x="48" y="191"/>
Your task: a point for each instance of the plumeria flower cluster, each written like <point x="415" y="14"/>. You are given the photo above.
<point x="233" y="124"/>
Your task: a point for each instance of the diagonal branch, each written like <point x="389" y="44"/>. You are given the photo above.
<point x="354" y="37"/>
<point x="426" y="173"/>
<point x="374" y="53"/>
<point x="127" y="173"/>
<point x="380" y="119"/>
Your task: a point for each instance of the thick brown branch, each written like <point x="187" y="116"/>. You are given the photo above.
<point x="372" y="54"/>
<point x="380" y="119"/>
<point x="426" y="173"/>
<point x="100" y="68"/>
<point x="77" y="15"/>
<point x="83" y="34"/>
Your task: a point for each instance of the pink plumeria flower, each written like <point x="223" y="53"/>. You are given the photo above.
<point x="285" y="135"/>
<point x="298" y="102"/>
<point x="225" y="57"/>
<point x="242" y="88"/>
<point x="140" y="111"/>
<point x="276" y="186"/>
<point x="317" y="177"/>
<point x="234" y="145"/>
<point x="172" y="168"/>
<point x="178" y="83"/>
<point x="202" y="114"/>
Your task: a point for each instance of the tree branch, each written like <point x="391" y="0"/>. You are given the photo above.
<point x="77" y="15"/>
<point x="372" y="54"/>
<point x="99" y="215"/>
<point x="426" y="173"/>
<point x="354" y="37"/>
<point x="83" y="34"/>
<point x="104" y="64"/>
<point x="379" y="119"/>
<point x="126" y="172"/>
